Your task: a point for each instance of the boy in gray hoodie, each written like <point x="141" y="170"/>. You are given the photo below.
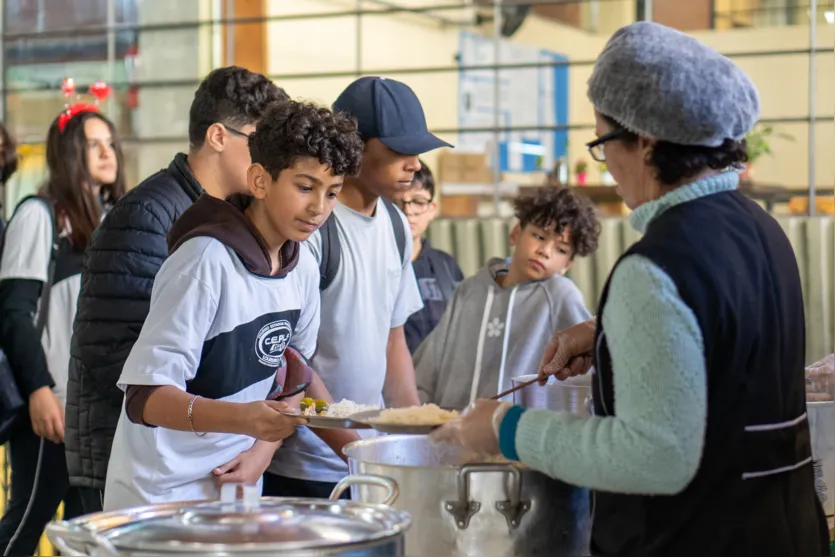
<point x="498" y="323"/>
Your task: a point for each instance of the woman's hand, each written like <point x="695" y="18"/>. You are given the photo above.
<point x="569" y="353"/>
<point x="474" y="431"/>
<point x="266" y="423"/>
<point x="249" y="466"/>
<point x="47" y="415"/>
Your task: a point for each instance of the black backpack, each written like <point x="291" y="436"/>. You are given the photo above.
<point x="332" y="249"/>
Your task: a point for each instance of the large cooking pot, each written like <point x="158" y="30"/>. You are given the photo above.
<point x="460" y="508"/>
<point x="572" y="395"/>
<point x="255" y="527"/>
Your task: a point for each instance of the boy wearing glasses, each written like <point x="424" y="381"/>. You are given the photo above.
<point x="499" y="320"/>
<point x="436" y="271"/>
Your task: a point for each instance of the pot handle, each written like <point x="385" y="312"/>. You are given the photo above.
<point x="62" y="533"/>
<point x="367" y="479"/>
<point x="464" y="509"/>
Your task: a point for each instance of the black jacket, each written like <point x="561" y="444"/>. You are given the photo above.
<point x="124" y="256"/>
<point x="437" y="275"/>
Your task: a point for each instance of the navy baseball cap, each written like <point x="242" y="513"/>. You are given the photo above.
<point x="389" y="111"/>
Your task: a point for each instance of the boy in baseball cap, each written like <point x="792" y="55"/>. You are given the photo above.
<point x="368" y="286"/>
<point x="392" y="124"/>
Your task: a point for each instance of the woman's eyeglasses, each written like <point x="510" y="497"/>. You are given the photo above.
<point x="596" y="147"/>
<point x="419" y="206"/>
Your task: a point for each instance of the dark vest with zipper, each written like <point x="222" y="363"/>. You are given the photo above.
<point x="753" y="494"/>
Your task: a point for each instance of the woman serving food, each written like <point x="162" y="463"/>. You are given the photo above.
<point x="699" y="445"/>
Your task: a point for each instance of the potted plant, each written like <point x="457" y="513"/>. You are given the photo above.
<point x="605" y="176"/>
<point x="757" y="143"/>
<point x="580" y="169"/>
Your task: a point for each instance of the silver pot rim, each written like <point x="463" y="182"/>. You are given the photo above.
<point x="351" y="448"/>
<point x="104" y="530"/>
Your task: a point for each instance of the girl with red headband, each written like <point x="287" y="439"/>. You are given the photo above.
<point x="40" y="278"/>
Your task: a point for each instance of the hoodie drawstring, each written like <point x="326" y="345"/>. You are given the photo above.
<point x="488" y="305"/>
<point x="507" y="326"/>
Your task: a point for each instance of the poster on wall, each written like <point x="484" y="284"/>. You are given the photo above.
<point x="528" y="97"/>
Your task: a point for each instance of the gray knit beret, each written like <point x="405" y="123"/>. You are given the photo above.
<point x="663" y="84"/>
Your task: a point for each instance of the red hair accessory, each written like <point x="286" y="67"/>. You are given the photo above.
<point x="74" y="110"/>
<point x="68" y="87"/>
<point x="100" y="90"/>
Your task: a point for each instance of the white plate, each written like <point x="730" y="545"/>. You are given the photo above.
<point x="328" y="422"/>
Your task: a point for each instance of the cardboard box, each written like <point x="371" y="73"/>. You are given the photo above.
<point x="459" y="206"/>
<point x="464" y="168"/>
<point x="824" y="205"/>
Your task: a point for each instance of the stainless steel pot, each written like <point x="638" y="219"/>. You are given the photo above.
<point x="572" y="395"/>
<point x="255" y="527"/>
<point x="473" y="509"/>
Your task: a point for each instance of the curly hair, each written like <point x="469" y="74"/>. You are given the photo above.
<point x="674" y="163"/>
<point x="561" y="207"/>
<point x="291" y="129"/>
<point x="232" y="96"/>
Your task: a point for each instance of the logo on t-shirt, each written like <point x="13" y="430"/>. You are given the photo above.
<point x="272" y="341"/>
<point x="430" y="291"/>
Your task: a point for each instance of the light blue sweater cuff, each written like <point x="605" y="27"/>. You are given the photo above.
<point x="507" y="432"/>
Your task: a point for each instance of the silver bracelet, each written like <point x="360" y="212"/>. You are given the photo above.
<point x="191" y="423"/>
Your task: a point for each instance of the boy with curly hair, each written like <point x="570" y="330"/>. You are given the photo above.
<point x="126" y="253"/>
<point x="236" y="290"/>
<point x="499" y="321"/>
<point x="369" y="289"/>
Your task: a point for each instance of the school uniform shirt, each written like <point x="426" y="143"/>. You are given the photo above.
<point x="437" y="275"/>
<point x="374" y="290"/>
<point x="217" y="328"/>
<point x="23" y="271"/>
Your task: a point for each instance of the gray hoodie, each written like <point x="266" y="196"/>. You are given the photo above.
<point x="490" y="334"/>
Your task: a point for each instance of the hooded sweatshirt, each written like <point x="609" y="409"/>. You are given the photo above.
<point x="490" y="334"/>
<point x="217" y="328"/>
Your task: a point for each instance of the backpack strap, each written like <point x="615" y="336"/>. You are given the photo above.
<point x="46" y="290"/>
<point x="399" y="228"/>
<point x="332" y="249"/>
<point x="331" y="252"/>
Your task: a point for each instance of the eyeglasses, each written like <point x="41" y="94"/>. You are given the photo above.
<point x="239" y="133"/>
<point x="419" y="206"/>
<point x="596" y="147"/>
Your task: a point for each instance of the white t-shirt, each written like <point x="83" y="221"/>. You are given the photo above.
<point x="26" y="255"/>
<point x="373" y="291"/>
<point x="214" y="330"/>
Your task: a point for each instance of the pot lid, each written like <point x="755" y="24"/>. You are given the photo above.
<point x="256" y="525"/>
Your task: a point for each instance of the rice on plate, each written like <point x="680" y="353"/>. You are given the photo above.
<point x="427" y="414"/>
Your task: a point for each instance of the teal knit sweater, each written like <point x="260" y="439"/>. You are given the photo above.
<point x="654" y="444"/>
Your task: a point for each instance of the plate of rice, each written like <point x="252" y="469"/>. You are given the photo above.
<point x="334" y="416"/>
<point x="413" y="420"/>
